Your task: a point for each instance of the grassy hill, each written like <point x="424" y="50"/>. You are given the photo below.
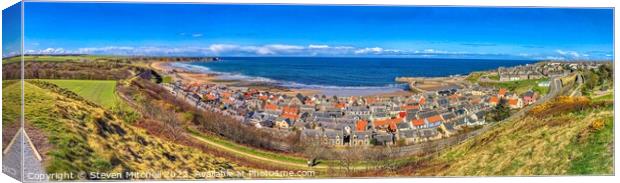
<point x="568" y="136"/>
<point x="88" y="138"/>
<point x="10" y="108"/>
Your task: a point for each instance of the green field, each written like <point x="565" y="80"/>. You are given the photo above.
<point x="474" y="77"/>
<point x="521" y="86"/>
<point x="101" y="92"/>
<point x="58" y="58"/>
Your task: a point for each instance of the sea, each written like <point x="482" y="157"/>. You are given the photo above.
<point x="342" y="75"/>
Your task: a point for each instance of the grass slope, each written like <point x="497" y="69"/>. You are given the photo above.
<point x="569" y="142"/>
<point x="521" y="86"/>
<point x="10" y="102"/>
<point x="99" y="91"/>
<point x="88" y="138"/>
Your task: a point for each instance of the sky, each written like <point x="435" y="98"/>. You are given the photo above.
<point x="11" y="30"/>
<point x="296" y="30"/>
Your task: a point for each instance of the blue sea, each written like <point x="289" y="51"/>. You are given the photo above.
<point x="342" y="73"/>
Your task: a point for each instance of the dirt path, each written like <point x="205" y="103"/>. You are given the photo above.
<point x="576" y="90"/>
<point x="256" y="157"/>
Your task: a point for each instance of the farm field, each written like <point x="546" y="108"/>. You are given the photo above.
<point x="49" y="58"/>
<point x="101" y="92"/>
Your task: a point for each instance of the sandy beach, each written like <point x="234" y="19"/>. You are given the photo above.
<point x="208" y="78"/>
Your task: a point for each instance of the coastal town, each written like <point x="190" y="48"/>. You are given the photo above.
<point x="200" y="91"/>
<point x="375" y="120"/>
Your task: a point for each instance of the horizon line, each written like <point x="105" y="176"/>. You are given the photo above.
<point x="316" y="56"/>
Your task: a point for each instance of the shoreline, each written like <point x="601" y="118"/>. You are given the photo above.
<point x="201" y="77"/>
<point x="192" y="76"/>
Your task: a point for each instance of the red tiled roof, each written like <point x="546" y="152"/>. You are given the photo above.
<point x="502" y="91"/>
<point x="290" y="110"/>
<point x="434" y="119"/>
<point x="494" y="99"/>
<point x="402" y="114"/>
<point x="209" y="97"/>
<point x="513" y="101"/>
<point x="422" y="101"/>
<point x="361" y="125"/>
<point x="392" y="126"/>
<point x="340" y="105"/>
<point x="263" y="97"/>
<point x="270" y="106"/>
<point x="410" y="107"/>
<point x="371" y="100"/>
<point x="417" y="122"/>
<point x="390" y="122"/>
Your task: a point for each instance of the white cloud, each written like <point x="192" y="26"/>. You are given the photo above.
<point x="272" y="49"/>
<point x="220" y="48"/>
<point x="48" y="51"/>
<point x="283" y="47"/>
<point x="444" y="52"/>
<point x="197" y="35"/>
<point x="554" y="58"/>
<point x="344" y="47"/>
<point x="264" y="51"/>
<point x="105" y="49"/>
<point x="433" y="51"/>
<point x="320" y="46"/>
<point x="374" y="50"/>
<point x="570" y="53"/>
<point x="306" y="50"/>
<point x="233" y="49"/>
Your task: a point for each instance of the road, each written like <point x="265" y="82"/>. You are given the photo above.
<point x="256" y="157"/>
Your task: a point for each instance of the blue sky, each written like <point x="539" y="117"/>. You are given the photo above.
<point x="293" y="30"/>
<point x="11" y="30"/>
